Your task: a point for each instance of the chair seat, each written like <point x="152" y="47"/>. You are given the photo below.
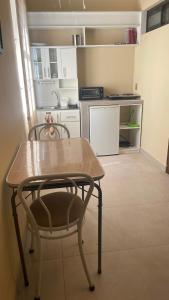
<point x="57" y="203"/>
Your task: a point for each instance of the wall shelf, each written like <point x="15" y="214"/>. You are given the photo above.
<point x="106" y="45"/>
<point x="68" y="88"/>
<point x="79" y="19"/>
<point x="96" y="29"/>
<point x="131" y="135"/>
<point x="126" y="127"/>
<point x="128" y="149"/>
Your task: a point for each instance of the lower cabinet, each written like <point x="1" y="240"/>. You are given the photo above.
<point x="114" y="127"/>
<point x="74" y="129"/>
<point x="104" y="129"/>
<point x="69" y="118"/>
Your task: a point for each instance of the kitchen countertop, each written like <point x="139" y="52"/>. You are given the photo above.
<point x="103" y="102"/>
<point x="56" y="108"/>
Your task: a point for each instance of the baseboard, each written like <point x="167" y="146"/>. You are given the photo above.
<point x="153" y="160"/>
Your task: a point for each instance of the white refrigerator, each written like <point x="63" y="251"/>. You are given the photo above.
<point x="104" y="129"/>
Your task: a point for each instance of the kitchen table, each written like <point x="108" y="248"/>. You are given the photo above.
<point x="35" y="158"/>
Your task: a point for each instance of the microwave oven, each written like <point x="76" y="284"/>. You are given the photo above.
<point x="91" y="93"/>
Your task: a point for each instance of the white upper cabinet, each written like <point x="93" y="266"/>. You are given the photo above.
<point x="67" y="67"/>
<point x="43" y="66"/>
<point x="53" y="62"/>
<point x="46" y="65"/>
<point x="37" y="63"/>
<point x="55" y="75"/>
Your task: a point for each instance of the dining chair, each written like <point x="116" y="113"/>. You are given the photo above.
<point x="47" y="131"/>
<point x="57" y="214"/>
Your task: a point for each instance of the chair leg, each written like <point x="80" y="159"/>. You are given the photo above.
<point x="91" y="286"/>
<point x="31" y="250"/>
<point x="38" y="282"/>
<point x="33" y="195"/>
<point x="83" y="193"/>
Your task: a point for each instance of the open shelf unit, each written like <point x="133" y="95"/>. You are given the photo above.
<point x="93" y="29"/>
<point x="126" y="127"/>
<point x="130" y="127"/>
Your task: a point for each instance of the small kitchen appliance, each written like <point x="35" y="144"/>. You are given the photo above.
<point x="91" y="93"/>
<point x="127" y="96"/>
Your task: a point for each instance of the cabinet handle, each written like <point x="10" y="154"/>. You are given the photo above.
<point x="64" y="129"/>
<point x="49" y="73"/>
<point x="64" y="72"/>
<point x="71" y="117"/>
<point x="44" y="70"/>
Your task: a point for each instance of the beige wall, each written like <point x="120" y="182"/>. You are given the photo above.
<point x="152" y="76"/>
<point x="11" y="133"/>
<point x="109" y="67"/>
<point x="144" y="4"/>
<point x="50" y="5"/>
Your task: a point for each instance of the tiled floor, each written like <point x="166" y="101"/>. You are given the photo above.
<point x="135" y="240"/>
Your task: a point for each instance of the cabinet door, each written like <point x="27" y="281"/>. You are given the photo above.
<point x="53" y="63"/>
<point x="70" y="115"/>
<point x="42" y="116"/>
<point x="37" y="63"/>
<point x="104" y="129"/>
<point x="74" y="129"/>
<point x="46" y="63"/>
<point x="67" y="63"/>
<point x="41" y="65"/>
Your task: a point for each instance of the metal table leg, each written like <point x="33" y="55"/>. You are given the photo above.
<point x="18" y="235"/>
<point x="99" y="227"/>
<point x="83" y="193"/>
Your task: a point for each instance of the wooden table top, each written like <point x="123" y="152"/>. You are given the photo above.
<point x="36" y="158"/>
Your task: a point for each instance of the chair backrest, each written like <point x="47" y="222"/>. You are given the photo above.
<point x="64" y="180"/>
<point x="47" y="131"/>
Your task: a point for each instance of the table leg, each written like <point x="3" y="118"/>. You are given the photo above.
<point x="99" y="227"/>
<point x="83" y="193"/>
<point x="18" y="235"/>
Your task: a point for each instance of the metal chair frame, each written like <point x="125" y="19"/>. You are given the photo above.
<point x="35" y="134"/>
<point x="46" y="126"/>
<point x="39" y="232"/>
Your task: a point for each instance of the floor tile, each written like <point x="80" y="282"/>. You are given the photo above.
<point x="135" y="240"/>
<point x="130" y="275"/>
<point x="135" y="226"/>
<point x="131" y="183"/>
<point x="52" y="286"/>
<point x="52" y="281"/>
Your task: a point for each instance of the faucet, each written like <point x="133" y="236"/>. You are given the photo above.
<point x="55" y="93"/>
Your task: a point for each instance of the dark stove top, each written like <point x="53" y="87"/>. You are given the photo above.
<point x="123" y="96"/>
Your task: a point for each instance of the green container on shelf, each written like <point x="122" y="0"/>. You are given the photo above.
<point x="133" y="124"/>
